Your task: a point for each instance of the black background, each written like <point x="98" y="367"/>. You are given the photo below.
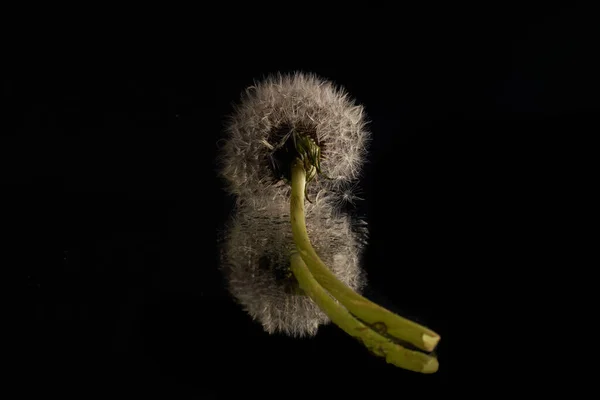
<point x="114" y="205"/>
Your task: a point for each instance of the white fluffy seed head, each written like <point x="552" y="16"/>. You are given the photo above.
<point x="256" y="260"/>
<point x="292" y="100"/>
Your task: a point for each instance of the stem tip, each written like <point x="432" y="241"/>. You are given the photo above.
<point x="431" y="366"/>
<point x="430" y="341"/>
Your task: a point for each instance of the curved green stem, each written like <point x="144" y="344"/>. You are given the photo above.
<point x="370" y="313"/>
<point x="379" y="345"/>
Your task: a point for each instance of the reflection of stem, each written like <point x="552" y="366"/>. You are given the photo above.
<point x="367" y="311"/>
<point x="379" y="345"/>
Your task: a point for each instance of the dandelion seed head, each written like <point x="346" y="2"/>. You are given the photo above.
<point x="296" y="100"/>
<point x="256" y="260"/>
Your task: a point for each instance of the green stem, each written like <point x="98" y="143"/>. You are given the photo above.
<point x="368" y="312"/>
<point x="379" y="345"/>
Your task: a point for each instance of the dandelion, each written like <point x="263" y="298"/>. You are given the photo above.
<point x="294" y="266"/>
<point x="253" y="158"/>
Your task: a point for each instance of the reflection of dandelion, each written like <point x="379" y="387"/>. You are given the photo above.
<point x="349" y="195"/>
<point x="257" y="250"/>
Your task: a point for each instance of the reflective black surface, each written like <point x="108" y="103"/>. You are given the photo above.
<point x="114" y="207"/>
